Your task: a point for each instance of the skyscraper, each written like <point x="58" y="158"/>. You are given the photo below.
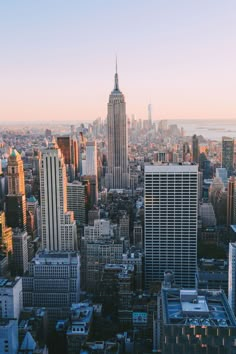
<point x="171" y="211"/>
<point x="228" y="154"/>
<point x="57" y="224"/>
<point x="15" y="200"/>
<point x="90" y="170"/>
<point x="195" y="149"/>
<point x="16" y="179"/>
<point x="20" y="252"/>
<point x="118" y="173"/>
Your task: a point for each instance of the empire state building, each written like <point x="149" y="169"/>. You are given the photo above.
<point x="118" y="171"/>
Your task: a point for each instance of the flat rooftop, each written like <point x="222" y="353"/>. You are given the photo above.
<point x="197" y="308"/>
<point x="7" y="283"/>
<point x="169" y="168"/>
<point x="56" y="257"/>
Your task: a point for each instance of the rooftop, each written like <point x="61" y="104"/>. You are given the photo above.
<point x="54" y="257"/>
<point x="171" y="168"/>
<point x="197" y="308"/>
<point x="7" y="283"/>
<point x="81" y="317"/>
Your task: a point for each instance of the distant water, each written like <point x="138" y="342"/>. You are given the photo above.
<point x="211" y="129"/>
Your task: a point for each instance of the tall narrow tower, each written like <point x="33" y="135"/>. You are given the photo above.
<point x="16" y="179"/>
<point x="118" y="173"/>
<point x="228" y="154"/>
<point x="58" y="225"/>
<point x="195" y="149"/>
<point x="15" y="200"/>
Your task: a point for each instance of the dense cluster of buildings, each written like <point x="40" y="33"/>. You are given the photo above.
<point x="117" y="237"/>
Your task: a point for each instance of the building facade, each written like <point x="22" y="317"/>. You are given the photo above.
<point x="171" y="215"/>
<point x="76" y="201"/>
<point x="20" y="251"/>
<point x="11" y="298"/>
<point x="53" y="282"/>
<point x="5" y="235"/>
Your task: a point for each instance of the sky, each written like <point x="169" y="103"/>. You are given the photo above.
<point x="57" y="58"/>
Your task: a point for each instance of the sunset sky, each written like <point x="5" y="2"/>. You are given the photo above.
<point x="57" y="58"/>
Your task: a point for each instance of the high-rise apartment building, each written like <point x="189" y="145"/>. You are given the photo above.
<point x="195" y="149"/>
<point x="171" y="213"/>
<point x="228" y="154"/>
<point x="58" y="227"/>
<point x="15" y="200"/>
<point x="118" y="171"/>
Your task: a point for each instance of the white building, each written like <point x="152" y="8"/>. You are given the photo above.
<point x="100" y="229"/>
<point x="11" y="298"/>
<point x="8" y="336"/>
<point x="232" y="276"/>
<point x="171" y="212"/>
<point x="118" y="172"/>
<point x="53" y="282"/>
<point x="58" y="225"/>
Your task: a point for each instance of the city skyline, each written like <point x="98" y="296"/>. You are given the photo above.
<point x="56" y="58"/>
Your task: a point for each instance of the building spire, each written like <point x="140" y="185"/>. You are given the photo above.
<point x="116" y="88"/>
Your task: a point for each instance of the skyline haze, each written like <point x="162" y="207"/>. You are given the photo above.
<point x="57" y="58"/>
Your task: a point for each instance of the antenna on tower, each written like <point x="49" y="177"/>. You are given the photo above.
<point x="116" y="88"/>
